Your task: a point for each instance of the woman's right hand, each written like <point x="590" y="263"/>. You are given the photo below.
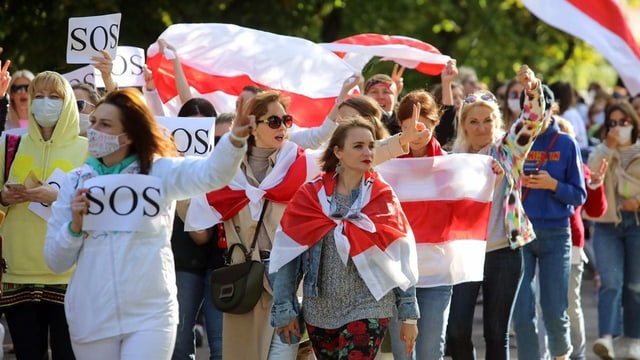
<point x="243" y="123"/>
<point x="292" y="328"/>
<point x="79" y="208"/>
<point x="527" y="77"/>
<point x="12" y="196"/>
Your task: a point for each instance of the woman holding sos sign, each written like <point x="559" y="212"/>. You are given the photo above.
<point x="113" y="220"/>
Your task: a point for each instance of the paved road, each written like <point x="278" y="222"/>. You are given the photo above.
<point x="588" y="302"/>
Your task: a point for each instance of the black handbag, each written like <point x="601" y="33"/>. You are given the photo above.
<point x="236" y="288"/>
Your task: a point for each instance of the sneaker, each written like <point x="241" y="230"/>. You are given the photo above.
<point x="603" y="347"/>
<point x="199" y="335"/>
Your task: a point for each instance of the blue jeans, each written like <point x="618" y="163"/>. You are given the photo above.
<point x="617" y="250"/>
<point x="212" y="321"/>
<point x="576" y="315"/>
<point x="190" y="293"/>
<point x="502" y="274"/>
<point x="551" y="251"/>
<point x="432" y="326"/>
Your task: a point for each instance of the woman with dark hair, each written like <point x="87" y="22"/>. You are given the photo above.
<point x="197" y="107"/>
<point x="617" y="236"/>
<point x="121" y="302"/>
<point x="565" y="97"/>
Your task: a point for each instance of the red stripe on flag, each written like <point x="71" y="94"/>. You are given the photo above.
<point x="608" y="14"/>
<point x="439" y="221"/>
<point x="307" y="112"/>
<point x="378" y="39"/>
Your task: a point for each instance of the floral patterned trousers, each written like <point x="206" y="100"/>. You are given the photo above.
<point x="357" y="340"/>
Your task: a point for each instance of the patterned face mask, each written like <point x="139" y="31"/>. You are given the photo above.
<point x="102" y="144"/>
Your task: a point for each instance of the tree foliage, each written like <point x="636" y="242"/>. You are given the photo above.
<point x="492" y="36"/>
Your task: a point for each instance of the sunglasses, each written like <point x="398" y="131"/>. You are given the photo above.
<point x="514" y="95"/>
<point x="16" y="88"/>
<point x="485" y="97"/>
<point x="622" y="122"/>
<point x="275" y="121"/>
<point x="82" y="104"/>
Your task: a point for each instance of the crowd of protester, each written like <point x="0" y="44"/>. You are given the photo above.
<point x="567" y="195"/>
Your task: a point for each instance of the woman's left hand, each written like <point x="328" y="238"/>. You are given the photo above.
<point x="292" y="328"/>
<point x="409" y="334"/>
<point x="541" y="180"/>
<point x="415" y="128"/>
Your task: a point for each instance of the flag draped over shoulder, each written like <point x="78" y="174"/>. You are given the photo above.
<point x="293" y="167"/>
<point x="447" y="200"/>
<point x="379" y="240"/>
<point x="599" y="23"/>
<point x="406" y="51"/>
<point x="220" y="59"/>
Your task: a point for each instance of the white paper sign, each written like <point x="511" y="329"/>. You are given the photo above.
<point x="127" y="67"/>
<point x="124" y="202"/>
<point x="191" y="134"/>
<point x="88" y="35"/>
<point x="44" y="210"/>
<point x="83" y="75"/>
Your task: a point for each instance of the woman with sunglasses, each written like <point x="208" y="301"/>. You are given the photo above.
<point x="617" y="236"/>
<point x="274" y="167"/>
<point x="348" y="295"/>
<point x="18" y="116"/>
<point x="33" y="296"/>
<point x="480" y="131"/>
<point x="86" y="97"/>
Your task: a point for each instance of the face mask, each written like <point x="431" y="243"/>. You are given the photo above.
<point x="84" y="123"/>
<point x="624" y="135"/>
<point x="514" y="105"/>
<point x="46" y="111"/>
<point x="102" y="144"/>
<point x="598" y="118"/>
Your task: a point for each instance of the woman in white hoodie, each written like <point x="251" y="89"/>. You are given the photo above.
<point x="113" y="221"/>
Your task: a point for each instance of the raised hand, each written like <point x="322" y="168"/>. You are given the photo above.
<point x="243" y="124"/>
<point x="527" y="78"/>
<point x="396" y="76"/>
<point x="450" y="72"/>
<point x="5" y="77"/>
<point x="104" y="64"/>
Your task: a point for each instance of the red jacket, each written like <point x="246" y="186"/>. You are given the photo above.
<point x="595" y="206"/>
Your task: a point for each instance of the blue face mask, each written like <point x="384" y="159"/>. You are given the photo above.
<point x="46" y="111"/>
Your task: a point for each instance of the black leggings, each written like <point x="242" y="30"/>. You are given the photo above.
<point x="31" y="323"/>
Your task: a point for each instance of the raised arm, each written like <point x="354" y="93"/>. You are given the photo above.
<point x="181" y="80"/>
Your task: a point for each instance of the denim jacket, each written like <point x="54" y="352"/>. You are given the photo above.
<point x="286" y="280"/>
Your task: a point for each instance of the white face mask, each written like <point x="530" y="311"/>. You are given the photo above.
<point x="514" y="105"/>
<point x="84" y="123"/>
<point x="46" y="111"/>
<point x="624" y="134"/>
<point x="102" y="144"/>
<point x="598" y="118"/>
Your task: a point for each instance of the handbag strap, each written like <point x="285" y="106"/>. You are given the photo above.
<point x="249" y="253"/>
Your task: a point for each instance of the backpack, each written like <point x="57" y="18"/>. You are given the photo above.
<point x="12" y="141"/>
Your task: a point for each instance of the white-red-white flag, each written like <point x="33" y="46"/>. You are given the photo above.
<point x="447" y="200"/>
<point x="408" y="52"/>
<point x="599" y="23"/>
<point x="220" y="59"/>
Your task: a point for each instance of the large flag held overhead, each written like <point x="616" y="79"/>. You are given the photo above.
<point x="220" y="59"/>
<point x="406" y="51"/>
<point x="447" y="200"/>
<point x="599" y="23"/>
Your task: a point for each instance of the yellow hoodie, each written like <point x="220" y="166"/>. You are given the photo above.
<point x="24" y="231"/>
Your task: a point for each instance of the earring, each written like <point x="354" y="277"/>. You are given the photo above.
<point x="339" y="168"/>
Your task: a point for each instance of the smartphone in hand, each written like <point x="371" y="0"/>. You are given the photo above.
<point x="15" y="186"/>
<point x="530" y="171"/>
